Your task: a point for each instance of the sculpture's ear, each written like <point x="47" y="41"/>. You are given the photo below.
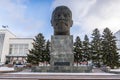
<point x="71" y="23"/>
<point x="51" y="23"/>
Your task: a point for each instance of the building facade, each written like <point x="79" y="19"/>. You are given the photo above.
<point x="117" y="35"/>
<point x="12" y="49"/>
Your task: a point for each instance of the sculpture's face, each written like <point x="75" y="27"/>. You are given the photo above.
<point x="61" y="21"/>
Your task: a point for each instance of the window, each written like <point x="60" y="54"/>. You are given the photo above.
<point x="18" y="49"/>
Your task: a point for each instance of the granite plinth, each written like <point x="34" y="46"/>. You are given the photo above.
<point x="62" y="57"/>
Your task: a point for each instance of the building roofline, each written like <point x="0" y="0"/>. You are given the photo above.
<point x="8" y="31"/>
<point x="21" y="38"/>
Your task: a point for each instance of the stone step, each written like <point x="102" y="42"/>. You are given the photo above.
<point x="59" y="76"/>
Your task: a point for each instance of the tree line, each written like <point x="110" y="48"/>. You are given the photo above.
<point x="101" y="50"/>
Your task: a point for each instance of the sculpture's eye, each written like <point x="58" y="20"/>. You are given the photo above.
<point x="58" y="15"/>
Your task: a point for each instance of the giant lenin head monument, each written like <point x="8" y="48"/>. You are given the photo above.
<point x="62" y="57"/>
<point x="62" y="20"/>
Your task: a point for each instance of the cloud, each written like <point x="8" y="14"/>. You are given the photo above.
<point x="12" y="10"/>
<point x="91" y="14"/>
<point x="14" y="14"/>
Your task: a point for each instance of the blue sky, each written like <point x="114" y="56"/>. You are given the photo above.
<point x="27" y="18"/>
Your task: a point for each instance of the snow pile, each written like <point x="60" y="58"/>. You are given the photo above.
<point x="37" y="73"/>
<point x="6" y="69"/>
<point x="115" y="70"/>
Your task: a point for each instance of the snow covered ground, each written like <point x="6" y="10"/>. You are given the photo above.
<point x="6" y="69"/>
<point x="36" y="73"/>
<point x="50" y="73"/>
<point x="46" y="73"/>
<point x="115" y="70"/>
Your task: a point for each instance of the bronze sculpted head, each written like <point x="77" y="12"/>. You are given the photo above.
<point x="61" y="20"/>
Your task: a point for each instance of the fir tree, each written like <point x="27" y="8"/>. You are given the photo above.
<point x="77" y="50"/>
<point x="96" y="47"/>
<point x="47" y="52"/>
<point x="36" y="54"/>
<point x="86" y="49"/>
<point x="110" y="54"/>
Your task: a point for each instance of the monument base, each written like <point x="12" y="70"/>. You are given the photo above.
<point x="62" y="57"/>
<point x="63" y="69"/>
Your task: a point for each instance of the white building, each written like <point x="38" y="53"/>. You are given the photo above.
<point x="13" y="49"/>
<point x="117" y="34"/>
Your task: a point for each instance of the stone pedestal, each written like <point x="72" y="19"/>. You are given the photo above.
<point x="62" y="57"/>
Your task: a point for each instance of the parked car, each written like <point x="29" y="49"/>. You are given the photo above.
<point x="1" y="64"/>
<point x="20" y="65"/>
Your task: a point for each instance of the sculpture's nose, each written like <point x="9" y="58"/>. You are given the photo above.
<point x="61" y="16"/>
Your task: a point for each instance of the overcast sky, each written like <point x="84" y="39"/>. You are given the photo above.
<point x="27" y="18"/>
